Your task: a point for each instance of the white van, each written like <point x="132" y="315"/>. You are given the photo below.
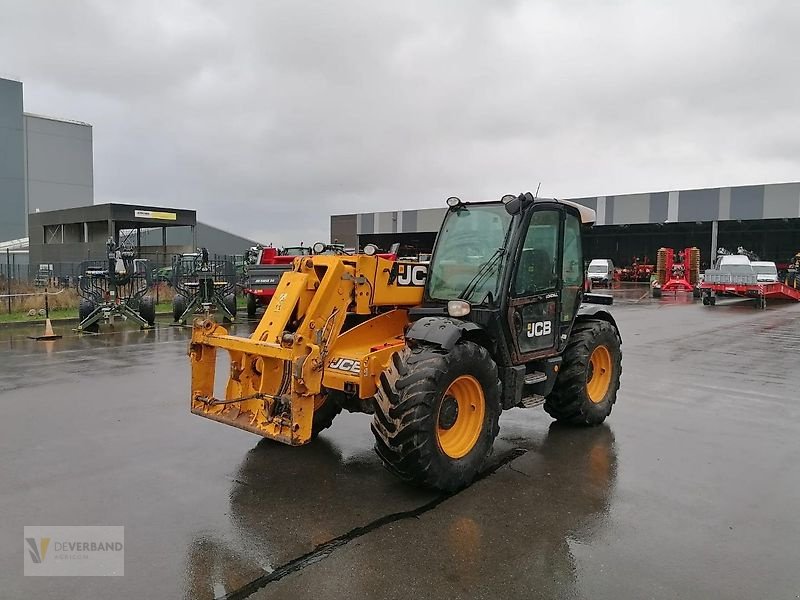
<point x="601" y="271"/>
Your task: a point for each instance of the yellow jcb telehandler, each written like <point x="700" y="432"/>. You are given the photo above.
<point x="498" y="319"/>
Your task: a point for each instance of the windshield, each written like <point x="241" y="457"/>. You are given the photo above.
<point x="597" y="268"/>
<point x="765" y="269"/>
<point x="470" y="237"/>
<point x="296" y="250"/>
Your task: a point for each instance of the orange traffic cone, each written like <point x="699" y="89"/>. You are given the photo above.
<point x="49" y="334"/>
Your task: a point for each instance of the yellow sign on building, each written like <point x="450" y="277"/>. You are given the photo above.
<point x="155" y="214"/>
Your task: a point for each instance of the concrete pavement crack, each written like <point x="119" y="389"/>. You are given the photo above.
<point x="325" y="549"/>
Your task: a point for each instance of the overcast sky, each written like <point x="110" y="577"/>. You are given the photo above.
<point x="268" y="117"/>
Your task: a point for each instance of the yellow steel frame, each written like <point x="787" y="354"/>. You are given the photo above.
<point x="276" y="378"/>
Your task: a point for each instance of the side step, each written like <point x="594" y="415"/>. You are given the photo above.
<point x="535" y="377"/>
<point x="531" y="401"/>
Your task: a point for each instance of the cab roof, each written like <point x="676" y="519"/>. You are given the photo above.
<point x="588" y="215"/>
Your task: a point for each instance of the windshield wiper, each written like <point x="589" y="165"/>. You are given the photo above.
<point x="483" y="272"/>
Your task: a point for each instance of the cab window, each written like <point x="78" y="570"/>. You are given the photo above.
<point x="536" y="268"/>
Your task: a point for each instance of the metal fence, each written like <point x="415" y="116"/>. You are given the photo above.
<point x="22" y="285"/>
<point x="65" y="274"/>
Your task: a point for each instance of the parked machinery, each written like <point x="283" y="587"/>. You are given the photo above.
<point x="203" y="285"/>
<point x="789" y="272"/>
<point x="681" y="275"/>
<point x="115" y="287"/>
<point x="265" y="265"/>
<point x="738" y="276"/>
<point x="498" y="319"/>
<point x="639" y="271"/>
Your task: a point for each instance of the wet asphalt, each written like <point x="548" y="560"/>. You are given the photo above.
<point x="690" y="490"/>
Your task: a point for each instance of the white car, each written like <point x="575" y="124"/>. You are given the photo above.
<point x="766" y="272"/>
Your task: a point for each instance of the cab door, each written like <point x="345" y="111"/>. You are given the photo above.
<point x="535" y="295"/>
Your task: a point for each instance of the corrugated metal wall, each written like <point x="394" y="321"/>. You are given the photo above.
<point x="752" y="202"/>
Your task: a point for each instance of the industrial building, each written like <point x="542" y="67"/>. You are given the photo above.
<point x="45" y="163"/>
<point x="47" y="208"/>
<point x="764" y="218"/>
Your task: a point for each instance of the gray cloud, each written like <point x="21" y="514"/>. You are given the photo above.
<point x="269" y="116"/>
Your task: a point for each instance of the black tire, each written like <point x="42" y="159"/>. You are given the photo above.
<point x="656" y="292"/>
<point x="407" y="414"/>
<point x="712" y="300"/>
<point x="326" y="413"/>
<point x="569" y="401"/>
<point x="252" y="305"/>
<point x="85" y="308"/>
<point x="179" y="305"/>
<point x="706" y="300"/>
<point x="147" y="309"/>
<point x="230" y="303"/>
<point x="696" y="293"/>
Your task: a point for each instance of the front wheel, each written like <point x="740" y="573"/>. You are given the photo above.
<point x="587" y="383"/>
<point x="86" y="308"/>
<point x="230" y="304"/>
<point x="179" y="304"/>
<point x="436" y="414"/>
<point x="326" y="409"/>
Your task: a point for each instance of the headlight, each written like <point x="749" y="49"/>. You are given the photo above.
<point x="458" y="308"/>
<point x="318" y="248"/>
<point x="370" y="249"/>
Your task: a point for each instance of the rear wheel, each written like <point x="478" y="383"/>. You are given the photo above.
<point x="656" y="292"/>
<point x="147" y="310"/>
<point x="178" y="306"/>
<point x="587" y="384"/>
<point x="436" y="414"/>
<point x="252" y="305"/>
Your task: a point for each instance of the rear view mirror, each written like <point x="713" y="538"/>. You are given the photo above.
<point x="515" y="204"/>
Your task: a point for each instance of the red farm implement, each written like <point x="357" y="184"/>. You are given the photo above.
<point x="677" y="273"/>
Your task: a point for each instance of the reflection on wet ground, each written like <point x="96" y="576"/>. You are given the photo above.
<point x="693" y="477"/>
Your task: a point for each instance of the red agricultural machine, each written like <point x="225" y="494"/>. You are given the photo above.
<point x="681" y="275"/>
<point x="265" y="267"/>
<point x="639" y="271"/>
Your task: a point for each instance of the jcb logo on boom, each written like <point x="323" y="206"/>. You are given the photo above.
<point x="348" y="365"/>
<point x="540" y="328"/>
<point x="411" y="275"/>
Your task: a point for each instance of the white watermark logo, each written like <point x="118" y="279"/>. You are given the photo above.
<point x="77" y="551"/>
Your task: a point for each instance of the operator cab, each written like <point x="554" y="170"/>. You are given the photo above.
<point x="514" y="265"/>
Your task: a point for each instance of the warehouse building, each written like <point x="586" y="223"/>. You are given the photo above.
<point x="73" y="235"/>
<point x="764" y="218"/>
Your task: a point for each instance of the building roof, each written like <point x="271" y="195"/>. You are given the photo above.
<point x="18" y="244"/>
<point x="60" y="120"/>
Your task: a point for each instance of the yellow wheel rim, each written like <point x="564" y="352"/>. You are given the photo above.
<point x="460" y="419"/>
<point x="599" y="378"/>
